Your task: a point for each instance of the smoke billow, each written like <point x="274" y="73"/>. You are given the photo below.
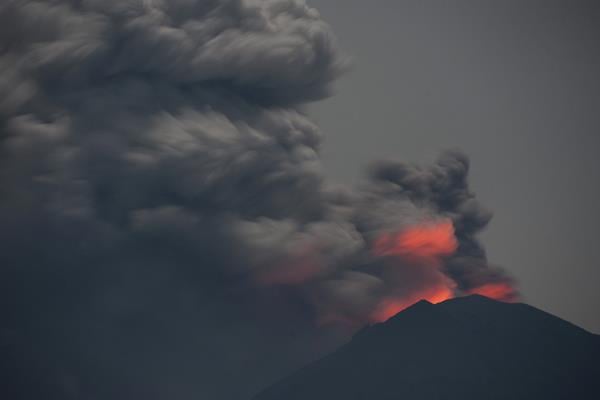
<point x="162" y="195"/>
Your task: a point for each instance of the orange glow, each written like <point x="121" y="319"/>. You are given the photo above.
<point x="423" y="246"/>
<point x="390" y="307"/>
<point x="421" y="242"/>
<point x="498" y="291"/>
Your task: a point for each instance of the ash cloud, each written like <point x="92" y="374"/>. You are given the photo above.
<point x="165" y="220"/>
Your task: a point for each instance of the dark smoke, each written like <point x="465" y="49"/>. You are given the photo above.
<point x="166" y="231"/>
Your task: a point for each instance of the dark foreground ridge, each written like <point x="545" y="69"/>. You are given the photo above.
<point x="466" y="348"/>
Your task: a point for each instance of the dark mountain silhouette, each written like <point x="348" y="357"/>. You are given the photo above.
<point x="466" y="348"/>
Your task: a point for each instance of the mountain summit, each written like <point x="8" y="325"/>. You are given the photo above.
<point x="465" y="348"/>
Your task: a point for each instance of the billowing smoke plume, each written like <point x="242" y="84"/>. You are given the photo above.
<point x="160" y="178"/>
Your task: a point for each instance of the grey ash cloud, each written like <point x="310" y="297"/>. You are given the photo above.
<point x="165" y="221"/>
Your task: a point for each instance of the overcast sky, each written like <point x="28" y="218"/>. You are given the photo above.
<point x="517" y="88"/>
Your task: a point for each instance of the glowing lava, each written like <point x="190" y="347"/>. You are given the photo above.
<point x="421" y="242"/>
<point x="497" y="290"/>
<point x="422" y="246"/>
<point x="390" y="307"/>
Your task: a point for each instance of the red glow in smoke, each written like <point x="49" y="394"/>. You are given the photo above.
<point x="423" y="246"/>
<point x="421" y="242"/>
<point x="497" y="290"/>
<point x="390" y="307"/>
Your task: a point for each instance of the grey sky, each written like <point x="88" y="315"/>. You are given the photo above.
<point x="517" y="88"/>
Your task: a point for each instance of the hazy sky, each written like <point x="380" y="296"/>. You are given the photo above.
<point x="515" y="85"/>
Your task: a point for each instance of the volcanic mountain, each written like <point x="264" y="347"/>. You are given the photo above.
<point x="466" y="348"/>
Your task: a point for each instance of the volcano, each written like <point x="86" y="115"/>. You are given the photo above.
<point x="465" y="348"/>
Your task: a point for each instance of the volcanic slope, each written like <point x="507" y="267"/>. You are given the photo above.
<point x="465" y="348"/>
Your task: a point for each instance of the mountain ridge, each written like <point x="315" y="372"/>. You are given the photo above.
<point x="463" y="348"/>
